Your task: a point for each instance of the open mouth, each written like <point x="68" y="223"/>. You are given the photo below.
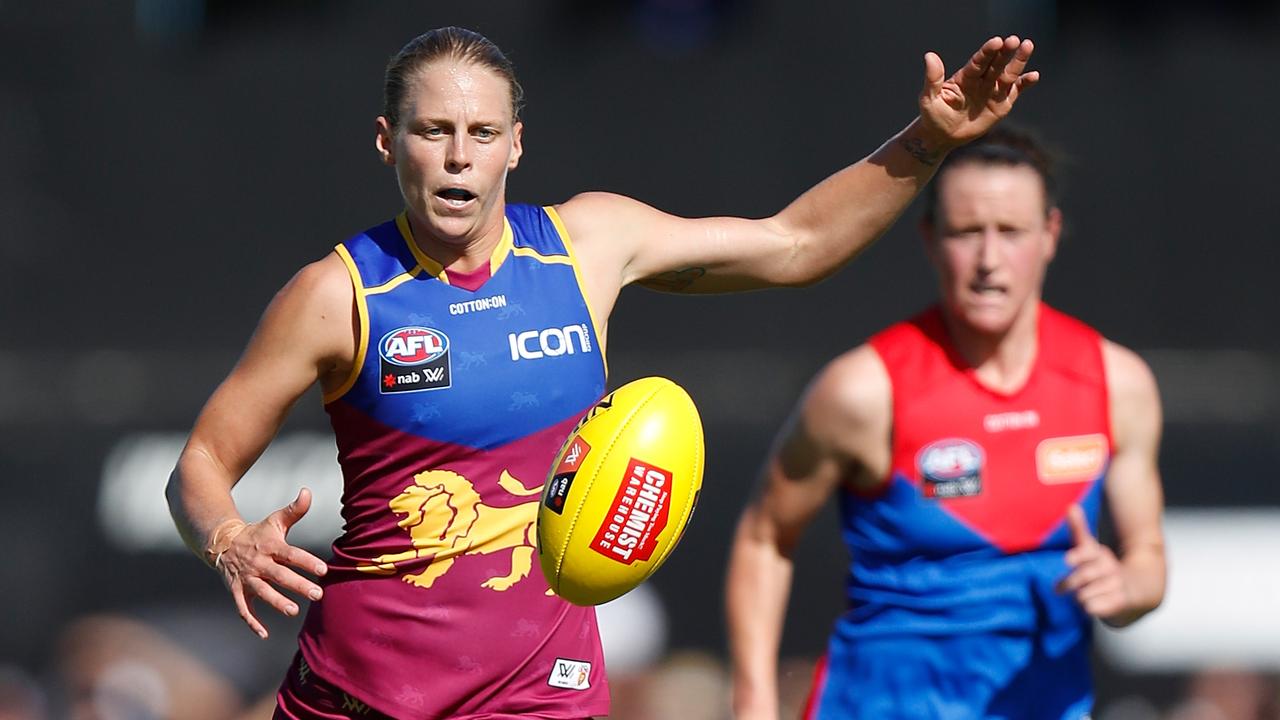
<point x="988" y="289"/>
<point x="456" y="196"/>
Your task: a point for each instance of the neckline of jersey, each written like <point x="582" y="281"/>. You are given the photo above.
<point x="437" y="271"/>
<point x="971" y="372"/>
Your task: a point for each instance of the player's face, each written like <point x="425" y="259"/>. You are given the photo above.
<point x="991" y="243"/>
<point x="456" y="141"/>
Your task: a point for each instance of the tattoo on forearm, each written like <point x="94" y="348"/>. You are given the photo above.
<point x="675" y="280"/>
<point x="916" y="148"/>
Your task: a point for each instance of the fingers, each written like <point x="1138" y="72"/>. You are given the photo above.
<point x="981" y="60"/>
<point x="1081" y="535"/>
<point x="246" y="614"/>
<point x="934" y="73"/>
<point x="292" y="581"/>
<point x="293" y="512"/>
<point x="1009" y="66"/>
<point x="259" y="564"/>
<point x="303" y="560"/>
<point x="273" y="597"/>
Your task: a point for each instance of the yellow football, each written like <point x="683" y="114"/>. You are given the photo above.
<point x="621" y="491"/>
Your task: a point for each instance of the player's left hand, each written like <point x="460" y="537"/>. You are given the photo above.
<point x="1097" y="577"/>
<point x="966" y="105"/>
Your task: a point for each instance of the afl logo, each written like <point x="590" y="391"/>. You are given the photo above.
<point x="409" y="346"/>
<point x="951" y="468"/>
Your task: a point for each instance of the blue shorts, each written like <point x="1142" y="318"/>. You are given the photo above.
<point x="975" y="677"/>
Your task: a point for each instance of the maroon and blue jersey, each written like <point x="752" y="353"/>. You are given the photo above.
<point x="462" y="392"/>
<point x="952" y="609"/>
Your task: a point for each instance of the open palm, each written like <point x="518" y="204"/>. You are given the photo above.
<point x="968" y="103"/>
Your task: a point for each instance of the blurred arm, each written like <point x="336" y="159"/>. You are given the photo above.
<point x="1134" y="495"/>
<point x="837" y="434"/>
<point x="304" y="336"/>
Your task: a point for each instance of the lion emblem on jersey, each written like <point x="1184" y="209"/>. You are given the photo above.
<point x="446" y="518"/>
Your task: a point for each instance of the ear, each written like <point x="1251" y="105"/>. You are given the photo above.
<point x="1053" y="228"/>
<point x="384" y="141"/>
<point x="517" y="149"/>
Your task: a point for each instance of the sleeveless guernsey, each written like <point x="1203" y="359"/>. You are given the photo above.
<point x="952" y="611"/>
<point x="434" y="606"/>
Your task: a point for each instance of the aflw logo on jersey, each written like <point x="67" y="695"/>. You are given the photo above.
<point x="551" y="342"/>
<point x="951" y="467"/>
<point x="570" y="674"/>
<point x="412" y="359"/>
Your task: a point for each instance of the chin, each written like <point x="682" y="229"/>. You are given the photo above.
<point x="986" y="320"/>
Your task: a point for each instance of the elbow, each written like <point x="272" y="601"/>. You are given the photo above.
<point x="806" y="262"/>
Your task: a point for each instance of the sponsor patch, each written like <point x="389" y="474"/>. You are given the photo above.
<point x="1079" y="458"/>
<point x="412" y="359"/>
<point x="549" y="342"/>
<point x="951" y="468"/>
<point x="570" y="674"/>
<point x="562" y="478"/>
<point x="637" y="516"/>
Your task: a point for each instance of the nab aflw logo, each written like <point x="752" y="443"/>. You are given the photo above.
<point x="413" y="358"/>
<point x="551" y="342"/>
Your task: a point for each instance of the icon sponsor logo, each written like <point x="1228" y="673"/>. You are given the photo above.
<point x="637" y="516"/>
<point x="562" y="479"/>
<point x="1078" y="458"/>
<point x="1020" y="420"/>
<point x="951" y="467"/>
<point x="413" y="358"/>
<point x="551" y="342"/>
<point x="570" y="674"/>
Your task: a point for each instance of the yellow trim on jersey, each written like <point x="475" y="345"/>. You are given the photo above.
<point x="394" y="282"/>
<point x="362" y="312"/>
<point x="546" y="259"/>
<point x="577" y="274"/>
<point x="505" y="246"/>
<point x="431" y="266"/>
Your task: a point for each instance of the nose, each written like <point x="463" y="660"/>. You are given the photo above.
<point x="458" y="156"/>
<point x="989" y="251"/>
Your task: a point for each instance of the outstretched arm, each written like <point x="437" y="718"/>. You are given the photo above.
<point x="304" y="336"/>
<point x="837" y="434"/>
<point x="1121" y="588"/>
<point x="827" y="225"/>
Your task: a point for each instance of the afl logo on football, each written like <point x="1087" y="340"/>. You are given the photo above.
<point x="413" y="345"/>
<point x="951" y="468"/>
<point x="413" y="358"/>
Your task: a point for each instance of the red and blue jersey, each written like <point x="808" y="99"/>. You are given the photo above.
<point x="462" y="392"/>
<point x="952" y="608"/>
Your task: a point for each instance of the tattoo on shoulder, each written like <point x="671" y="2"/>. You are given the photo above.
<point x="916" y="148"/>
<point x="675" y="280"/>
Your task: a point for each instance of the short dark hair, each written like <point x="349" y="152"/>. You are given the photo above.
<point x="1007" y="145"/>
<point x="450" y="42"/>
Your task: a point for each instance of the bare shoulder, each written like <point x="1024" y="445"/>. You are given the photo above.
<point x="1129" y="378"/>
<point x="314" y="311"/>
<point x="1135" y="399"/>
<point x="602" y="217"/>
<point x="851" y="393"/>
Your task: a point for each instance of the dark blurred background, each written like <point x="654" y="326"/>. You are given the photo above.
<point x="166" y="165"/>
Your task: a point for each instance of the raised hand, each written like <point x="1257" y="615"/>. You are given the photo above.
<point x="1097" y="578"/>
<point x="966" y="105"/>
<point x="255" y="561"/>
